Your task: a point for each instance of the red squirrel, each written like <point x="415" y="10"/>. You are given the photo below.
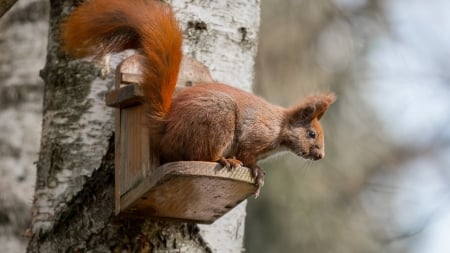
<point x="206" y="122"/>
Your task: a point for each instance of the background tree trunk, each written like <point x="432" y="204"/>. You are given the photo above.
<point x="73" y="202"/>
<point x="23" y="33"/>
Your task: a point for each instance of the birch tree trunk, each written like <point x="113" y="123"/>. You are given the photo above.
<point x="73" y="208"/>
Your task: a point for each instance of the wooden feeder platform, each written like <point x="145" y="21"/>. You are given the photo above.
<point x="192" y="191"/>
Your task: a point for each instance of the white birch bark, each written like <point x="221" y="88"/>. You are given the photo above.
<point x="77" y="131"/>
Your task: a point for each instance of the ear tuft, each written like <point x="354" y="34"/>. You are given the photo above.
<point x="314" y="106"/>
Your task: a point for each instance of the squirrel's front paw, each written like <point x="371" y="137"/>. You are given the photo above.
<point x="230" y="163"/>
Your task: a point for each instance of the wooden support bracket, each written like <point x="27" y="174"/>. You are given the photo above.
<point x="191" y="191"/>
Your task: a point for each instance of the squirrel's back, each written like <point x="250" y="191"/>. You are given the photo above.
<point x="208" y="120"/>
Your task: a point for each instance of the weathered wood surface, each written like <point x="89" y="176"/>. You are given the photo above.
<point x="126" y="96"/>
<point x="133" y="159"/>
<point x="191" y="191"/>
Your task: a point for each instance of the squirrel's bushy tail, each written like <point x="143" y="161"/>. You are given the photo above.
<point x="98" y="27"/>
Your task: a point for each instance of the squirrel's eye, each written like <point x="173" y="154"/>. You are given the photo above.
<point x="311" y="134"/>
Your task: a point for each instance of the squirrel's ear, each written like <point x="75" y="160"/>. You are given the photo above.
<point x="313" y="107"/>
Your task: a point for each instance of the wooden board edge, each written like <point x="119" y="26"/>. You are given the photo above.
<point x="129" y="95"/>
<point x="185" y="168"/>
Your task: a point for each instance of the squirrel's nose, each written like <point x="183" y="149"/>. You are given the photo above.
<point x="317" y="155"/>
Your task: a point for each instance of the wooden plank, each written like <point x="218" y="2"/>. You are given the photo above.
<point x="117" y="138"/>
<point x="131" y="147"/>
<point x="192" y="72"/>
<point x="131" y="65"/>
<point x="132" y="78"/>
<point x="125" y="96"/>
<point x="121" y="97"/>
<point x="117" y="168"/>
<point x="191" y="191"/>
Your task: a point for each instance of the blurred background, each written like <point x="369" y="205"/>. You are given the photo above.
<point x="384" y="185"/>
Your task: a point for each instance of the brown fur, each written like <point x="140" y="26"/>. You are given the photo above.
<point x="208" y="122"/>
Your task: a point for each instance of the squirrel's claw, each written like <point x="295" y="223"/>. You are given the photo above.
<point x="258" y="174"/>
<point x="230" y="163"/>
<point x="256" y="171"/>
